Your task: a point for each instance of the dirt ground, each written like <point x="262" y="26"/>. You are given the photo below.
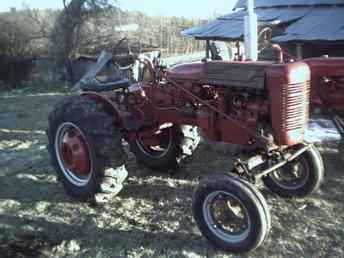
<point x="151" y="217"/>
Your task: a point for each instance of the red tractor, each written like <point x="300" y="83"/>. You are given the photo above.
<point x="262" y="105"/>
<point x="327" y="89"/>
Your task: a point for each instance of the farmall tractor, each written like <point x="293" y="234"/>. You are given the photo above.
<point x="259" y="104"/>
<point x="262" y="105"/>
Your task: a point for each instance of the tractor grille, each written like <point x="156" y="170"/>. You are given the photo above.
<point x="295" y="106"/>
<point x="289" y="102"/>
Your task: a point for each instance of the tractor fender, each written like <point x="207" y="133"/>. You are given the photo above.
<point x="109" y="106"/>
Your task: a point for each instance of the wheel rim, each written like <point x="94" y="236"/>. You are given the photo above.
<point x="226" y="216"/>
<point x="73" y="154"/>
<point x="292" y="176"/>
<point x="160" y="150"/>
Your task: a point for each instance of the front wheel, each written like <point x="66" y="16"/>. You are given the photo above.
<point x="298" y="178"/>
<point x="231" y="213"/>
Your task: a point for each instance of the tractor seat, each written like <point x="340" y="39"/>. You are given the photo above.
<point x="98" y="86"/>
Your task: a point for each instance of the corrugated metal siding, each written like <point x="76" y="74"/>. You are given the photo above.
<point x="325" y="23"/>
<point x="274" y="3"/>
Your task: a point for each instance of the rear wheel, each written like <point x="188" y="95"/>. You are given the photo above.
<point x="167" y="147"/>
<point x="231" y="213"/>
<point x="85" y="148"/>
<point x="298" y="178"/>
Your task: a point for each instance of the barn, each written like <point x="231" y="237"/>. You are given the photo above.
<point x="305" y="28"/>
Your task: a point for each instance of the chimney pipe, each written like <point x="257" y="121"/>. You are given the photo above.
<point x="251" y="33"/>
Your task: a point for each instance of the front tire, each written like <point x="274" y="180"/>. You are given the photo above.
<point x="85" y="148"/>
<point x="299" y="178"/>
<point x="231" y="213"/>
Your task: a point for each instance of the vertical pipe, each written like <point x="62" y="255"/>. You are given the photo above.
<point x="207" y="54"/>
<point x="251" y="33"/>
<point x="299" y="51"/>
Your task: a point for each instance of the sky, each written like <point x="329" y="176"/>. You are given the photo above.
<point x="186" y="8"/>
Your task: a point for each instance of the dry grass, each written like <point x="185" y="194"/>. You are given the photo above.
<point x="151" y="217"/>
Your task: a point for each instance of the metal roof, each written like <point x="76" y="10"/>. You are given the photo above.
<point x="275" y="3"/>
<point x="323" y="23"/>
<point x="275" y="15"/>
<point x="217" y="29"/>
<point x="318" y="25"/>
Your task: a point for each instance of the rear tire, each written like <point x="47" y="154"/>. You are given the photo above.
<point x="177" y="144"/>
<point x="288" y="181"/>
<point x="242" y="221"/>
<point x="100" y="145"/>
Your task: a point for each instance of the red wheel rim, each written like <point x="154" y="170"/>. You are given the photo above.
<point x="73" y="154"/>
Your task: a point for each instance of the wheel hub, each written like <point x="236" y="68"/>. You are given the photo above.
<point x="226" y="216"/>
<point x="292" y="175"/>
<point x="74" y="152"/>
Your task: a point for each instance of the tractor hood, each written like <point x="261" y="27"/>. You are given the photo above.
<point x="186" y="72"/>
<point x="222" y="73"/>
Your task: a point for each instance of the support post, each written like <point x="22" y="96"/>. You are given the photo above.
<point x="207" y="49"/>
<point x="299" y="51"/>
<point x="251" y="33"/>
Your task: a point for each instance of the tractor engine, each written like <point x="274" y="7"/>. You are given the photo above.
<point x="247" y="105"/>
<point x="252" y="96"/>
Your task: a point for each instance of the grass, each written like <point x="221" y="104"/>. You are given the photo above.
<point x="152" y="216"/>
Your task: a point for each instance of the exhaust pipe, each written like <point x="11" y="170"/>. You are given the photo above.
<point x="251" y="33"/>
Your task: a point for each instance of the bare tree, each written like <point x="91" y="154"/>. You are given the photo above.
<point x="65" y="37"/>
